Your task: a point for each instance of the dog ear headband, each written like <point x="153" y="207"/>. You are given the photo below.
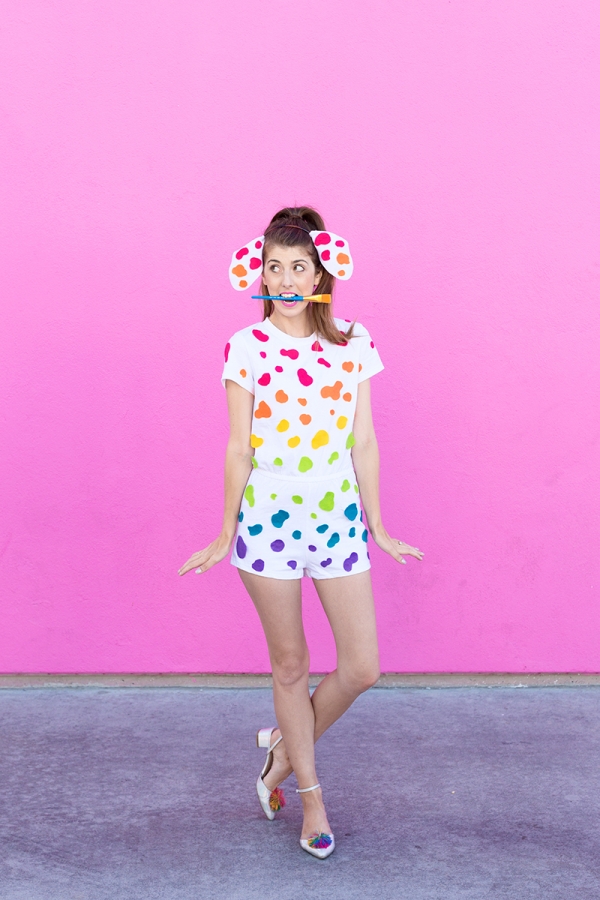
<point x="334" y="253"/>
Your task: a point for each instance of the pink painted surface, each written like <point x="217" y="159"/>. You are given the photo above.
<point x="456" y="145"/>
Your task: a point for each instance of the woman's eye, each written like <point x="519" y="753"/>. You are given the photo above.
<point x="299" y="268"/>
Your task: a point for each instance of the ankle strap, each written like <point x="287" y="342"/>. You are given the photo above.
<point x="280" y="738"/>
<point x="304" y="790"/>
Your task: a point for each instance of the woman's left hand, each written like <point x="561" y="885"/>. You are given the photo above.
<point x="395" y="547"/>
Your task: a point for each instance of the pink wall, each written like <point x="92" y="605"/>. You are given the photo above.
<point x="456" y="145"/>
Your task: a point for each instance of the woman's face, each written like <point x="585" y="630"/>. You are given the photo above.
<point x="289" y="271"/>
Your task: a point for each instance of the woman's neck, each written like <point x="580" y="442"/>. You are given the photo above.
<point x="298" y="326"/>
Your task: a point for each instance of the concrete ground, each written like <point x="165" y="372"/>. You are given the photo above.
<point x="147" y="793"/>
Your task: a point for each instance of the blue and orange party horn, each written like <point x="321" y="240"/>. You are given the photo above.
<point x="316" y="298"/>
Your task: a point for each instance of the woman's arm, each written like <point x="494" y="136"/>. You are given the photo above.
<point x="238" y="464"/>
<point x="238" y="456"/>
<point x="365" y="457"/>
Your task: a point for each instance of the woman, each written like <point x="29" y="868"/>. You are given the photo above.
<point x="302" y="451"/>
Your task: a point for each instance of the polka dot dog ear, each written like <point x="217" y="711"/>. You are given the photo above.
<point x="334" y="253"/>
<point x="246" y="264"/>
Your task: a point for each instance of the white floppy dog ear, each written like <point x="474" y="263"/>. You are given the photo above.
<point x="246" y="264"/>
<point x="334" y="253"/>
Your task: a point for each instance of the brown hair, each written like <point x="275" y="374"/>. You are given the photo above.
<point x="290" y="227"/>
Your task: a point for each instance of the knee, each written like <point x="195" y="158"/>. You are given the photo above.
<point x="361" y="677"/>
<point x="290" y="667"/>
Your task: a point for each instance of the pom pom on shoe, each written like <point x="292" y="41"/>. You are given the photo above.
<point x="277" y="799"/>
<point x="320" y="841"/>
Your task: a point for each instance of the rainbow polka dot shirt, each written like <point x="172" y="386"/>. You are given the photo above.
<point x="304" y="396"/>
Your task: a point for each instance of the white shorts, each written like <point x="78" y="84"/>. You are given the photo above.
<point x="294" y="527"/>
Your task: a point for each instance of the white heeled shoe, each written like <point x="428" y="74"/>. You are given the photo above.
<point x="320" y="844"/>
<point x="271" y="801"/>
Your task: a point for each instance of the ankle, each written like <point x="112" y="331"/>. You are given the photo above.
<point x="312" y="799"/>
<point x="279" y="753"/>
<point x="315" y="818"/>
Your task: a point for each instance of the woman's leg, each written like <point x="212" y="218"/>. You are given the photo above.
<point x="279" y="606"/>
<point x="348" y="604"/>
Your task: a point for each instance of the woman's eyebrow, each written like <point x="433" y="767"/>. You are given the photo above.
<point x="293" y="261"/>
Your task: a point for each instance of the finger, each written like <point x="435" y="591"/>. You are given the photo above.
<point x="410" y="551"/>
<point x="187" y="566"/>
<point x="202" y="567"/>
<point x="206" y="565"/>
<point x="199" y="558"/>
<point x="397" y="555"/>
<point x="192" y="560"/>
<point x="413" y="555"/>
<point x="407" y="550"/>
<point x="216" y="556"/>
<point x="202" y="557"/>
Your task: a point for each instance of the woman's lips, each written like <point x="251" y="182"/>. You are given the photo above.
<point x="288" y="303"/>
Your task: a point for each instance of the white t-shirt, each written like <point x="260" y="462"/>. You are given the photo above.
<point x="304" y="395"/>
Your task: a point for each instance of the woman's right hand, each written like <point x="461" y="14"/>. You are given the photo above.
<point x="210" y="556"/>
